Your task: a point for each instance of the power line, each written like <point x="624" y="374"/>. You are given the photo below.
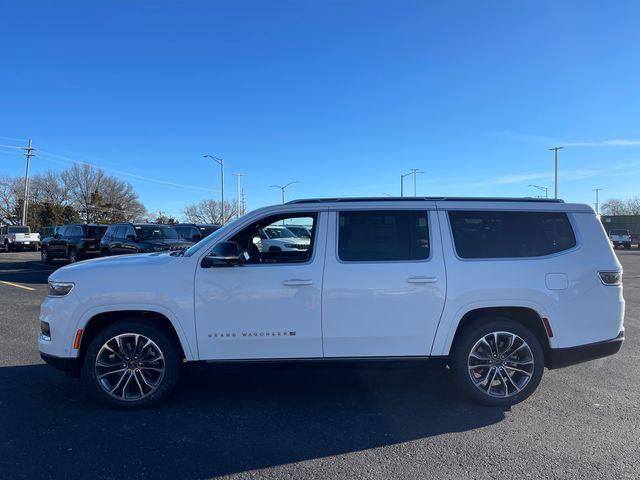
<point x="52" y="156"/>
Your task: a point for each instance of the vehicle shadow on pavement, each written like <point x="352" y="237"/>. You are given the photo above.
<point x="28" y="271"/>
<point x="223" y="420"/>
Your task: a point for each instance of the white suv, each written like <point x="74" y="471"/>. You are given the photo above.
<point x="497" y="290"/>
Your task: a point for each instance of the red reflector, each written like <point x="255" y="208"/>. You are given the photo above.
<point x="76" y="342"/>
<point x="547" y="327"/>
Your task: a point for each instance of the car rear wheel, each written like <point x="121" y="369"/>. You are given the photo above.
<point x="131" y="364"/>
<point x="45" y="255"/>
<point x="497" y="362"/>
<point x="73" y="255"/>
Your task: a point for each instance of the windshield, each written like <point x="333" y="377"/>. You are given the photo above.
<point x="155" y="232"/>
<point x="19" y="230"/>
<point x="211" y="238"/>
<point x="281" y="232"/>
<point x="94" y="231"/>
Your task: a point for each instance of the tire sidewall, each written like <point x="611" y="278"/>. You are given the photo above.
<point x="469" y="337"/>
<point x="45" y="255"/>
<point x="73" y="255"/>
<point x="155" y="333"/>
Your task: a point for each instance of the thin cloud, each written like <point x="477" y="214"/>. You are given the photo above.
<point x="509" y="179"/>
<point x="618" y="142"/>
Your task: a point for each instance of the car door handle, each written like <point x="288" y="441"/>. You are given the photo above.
<point x="422" y="280"/>
<point x="297" y="282"/>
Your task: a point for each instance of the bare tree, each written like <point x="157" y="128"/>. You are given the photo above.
<point x="10" y="199"/>
<point x="616" y="206"/>
<point x="49" y="188"/>
<point x="84" y="181"/>
<point x="208" y="211"/>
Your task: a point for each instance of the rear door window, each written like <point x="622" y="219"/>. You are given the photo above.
<point x="385" y="235"/>
<point x="501" y="234"/>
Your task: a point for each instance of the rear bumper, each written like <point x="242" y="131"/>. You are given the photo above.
<point x="68" y="365"/>
<point x="564" y="357"/>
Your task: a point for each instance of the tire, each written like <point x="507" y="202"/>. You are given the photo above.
<point x="516" y="386"/>
<point x="73" y="255"/>
<point x="138" y="393"/>
<point x="45" y="256"/>
<point x="7" y="247"/>
<point x="627" y="246"/>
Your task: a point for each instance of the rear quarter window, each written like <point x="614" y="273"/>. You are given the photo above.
<point x="500" y="234"/>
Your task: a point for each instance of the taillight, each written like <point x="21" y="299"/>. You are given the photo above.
<point x="610" y="278"/>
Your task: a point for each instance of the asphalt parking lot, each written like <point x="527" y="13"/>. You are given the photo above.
<point x="313" y="421"/>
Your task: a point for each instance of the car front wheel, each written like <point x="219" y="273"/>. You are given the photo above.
<point x="498" y="362"/>
<point x="131" y="364"/>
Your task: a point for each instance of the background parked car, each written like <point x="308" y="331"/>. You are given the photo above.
<point x="13" y="237"/>
<point x="73" y="242"/>
<point x="194" y="232"/>
<point x="123" y="238"/>
<point x="301" y="231"/>
<point x="275" y="238"/>
<point x="620" y="238"/>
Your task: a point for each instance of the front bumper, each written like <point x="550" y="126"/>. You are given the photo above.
<point x="66" y="364"/>
<point x="564" y="357"/>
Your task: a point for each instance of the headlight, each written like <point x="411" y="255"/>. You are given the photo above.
<point x="59" y="289"/>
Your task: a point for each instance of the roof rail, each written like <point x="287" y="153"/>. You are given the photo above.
<point x="429" y="199"/>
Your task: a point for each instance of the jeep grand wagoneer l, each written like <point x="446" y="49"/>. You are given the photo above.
<point x="495" y="289"/>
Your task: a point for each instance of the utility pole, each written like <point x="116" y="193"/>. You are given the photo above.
<point x="283" y="188"/>
<point x="25" y="202"/>
<point x="220" y="162"/>
<point x="414" y="172"/>
<point x="555" y="150"/>
<point x="244" y="202"/>
<point x="239" y="200"/>
<point x="597" y="190"/>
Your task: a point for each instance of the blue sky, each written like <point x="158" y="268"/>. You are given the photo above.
<point x="342" y="96"/>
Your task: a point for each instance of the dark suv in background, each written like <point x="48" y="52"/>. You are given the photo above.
<point x="124" y="238"/>
<point x="194" y="232"/>
<point x="73" y="242"/>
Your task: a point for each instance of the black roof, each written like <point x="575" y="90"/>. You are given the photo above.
<point x="429" y="199"/>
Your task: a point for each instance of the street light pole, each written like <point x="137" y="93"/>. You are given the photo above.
<point x="597" y="190"/>
<point x="220" y="162"/>
<point x="542" y="189"/>
<point x="402" y="183"/>
<point x="555" y="150"/>
<point x="283" y="188"/>
<point x="238" y="175"/>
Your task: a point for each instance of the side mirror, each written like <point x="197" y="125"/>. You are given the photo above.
<point x="133" y="238"/>
<point x="224" y="254"/>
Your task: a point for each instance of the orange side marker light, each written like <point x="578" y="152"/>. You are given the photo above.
<point x="76" y="342"/>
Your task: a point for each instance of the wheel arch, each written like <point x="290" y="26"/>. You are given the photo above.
<point x="525" y="316"/>
<point x="99" y="320"/>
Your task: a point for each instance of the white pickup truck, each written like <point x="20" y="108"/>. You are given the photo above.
<point x="620" y="238"/>
<point x="13" y="237"/>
